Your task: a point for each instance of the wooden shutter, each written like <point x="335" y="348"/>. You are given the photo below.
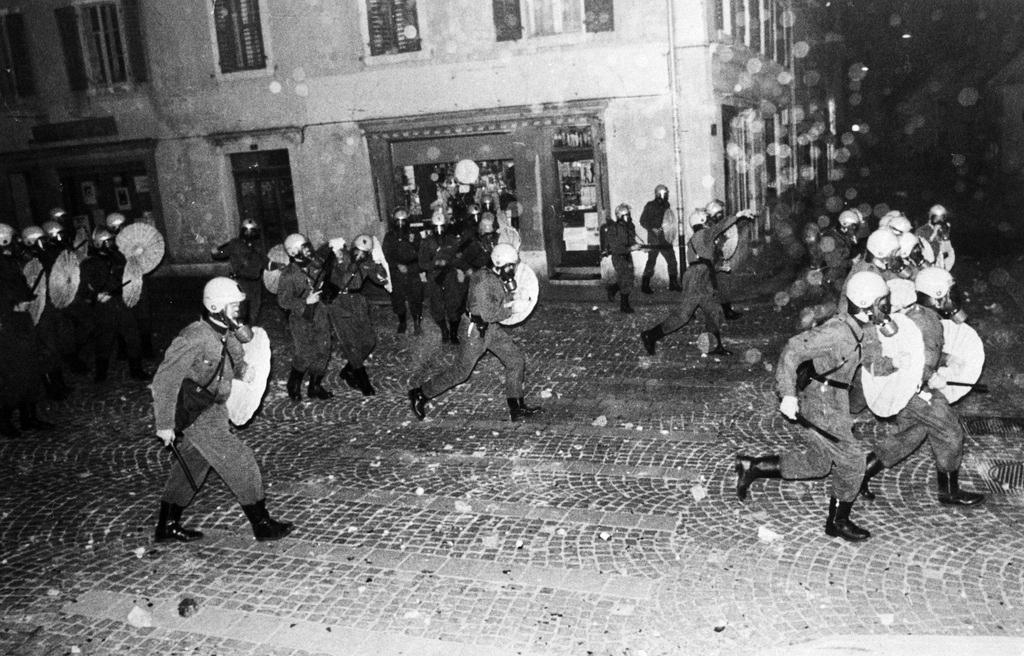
<point x="24" y="84"/>
<point x="508" y="24"/>
<point x="136" y="44"/>
<point x="599" y="15"/>
<point x="387" y="21"/>
<point x="252" y="36"/>
<point x="239" y="35"/>
<point x="227" y="48"/>
<point x="67" y="25"/>
<point x="755" y="25"/>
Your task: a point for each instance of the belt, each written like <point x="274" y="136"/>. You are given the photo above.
<point x="830" y="382"/>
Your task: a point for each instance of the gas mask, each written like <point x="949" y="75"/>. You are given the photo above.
<point x="878" y="315"/>
<point x="662" y="195"/>
<point x="507" y="274"/>
<point x="916" y="257"/>
<point x="230" y="318"/>
<point x="304" y="256"/>
<point x="250" y="236"/>
<point x="948" y="306"/>
<point x="488" y="205"/>
<point x="625" y="217"/>
<point x="940" y="228"/>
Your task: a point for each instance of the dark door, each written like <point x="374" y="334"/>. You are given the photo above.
<point x="263" y="186"/>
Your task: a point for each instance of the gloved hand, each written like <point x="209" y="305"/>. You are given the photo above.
<point x="22" y="307"/>
<point x="314" y="297"/>
<point x="518" y="305"/>
<point x="249" y="376"/>
<point x="461" y="275"/>
<point x="403" y="269"/>
<point x="166" y="436"/>
<point x="423" y="276"/>
<point x="746" y="214"/>
<point x="936" y="381"/>
<point x="103" y="297"/>
<point x="605" y="253"/>
<point x="789" y="407"/>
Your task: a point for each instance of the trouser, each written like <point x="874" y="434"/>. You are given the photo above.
<point x="844" y="459"/>
<point x="142" y="311"/>
<point x="624" y="274"/>
<point x="350" y="318"/>
<point x="498" y="340"/>
<point x="21" y="378"/>
<point x="406" y="289"/>
<point x="253" y="290"/>
<point x="669" y="254"/>
<point x="57" y="335"/>
<point x="447" y="296"/>
<point x="311" y="341"/>
<point x="113" y="319"/>
<point x="935" y="421"/>
<point x="714" y="317"/>
<point x="209" y="444"/>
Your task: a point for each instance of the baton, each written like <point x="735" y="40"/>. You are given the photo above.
<point x="184" y="466"/>
<point x="804" y="421"/>
<point x="980" y="388"/>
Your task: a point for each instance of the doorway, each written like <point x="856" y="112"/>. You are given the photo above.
<point x="263" y="188"/>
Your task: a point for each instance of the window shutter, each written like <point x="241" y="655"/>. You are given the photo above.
<point x="755" y="25"/>
<point x="387" y="22"/>
<point x="508" y="24"/>
<point x="224" y="24"/>
<point x="67" y="25"/>
<point x="599" y="15"/>
<point x="252" y="36"/>
<point x="136" y="44"/>
<point x="24" y="84"/>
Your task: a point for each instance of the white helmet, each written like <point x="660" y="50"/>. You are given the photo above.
<point x="908" y="241"/>
<point x="883" y="244"/>
<point x="714" y="207"/>
<point x="336" y="244"/>
<point x="293" y="244"/>
<point x="503" y="255"/>
<point x="219" y="292"/>
<point x="937" y="212"/>
<point x="101" y="238"/>
<point x="56" y="213"/>
<point x="115" y="221"/>
<point x="698" y="217"/>
<point x="6" y="234"/>
<point x="850" y="218"/>
<point x="896" y="221"/>
<point x="865" y="288"/>
<point x="934" y="282"/>
<point x="52" y="229"/>
<point x="622" y="210"/>
<point x="31" y="235"/>
<point x="363" y="243"/>
<point x="902" y="293"/>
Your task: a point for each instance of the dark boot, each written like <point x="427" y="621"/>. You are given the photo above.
<point x="102" y="366"/>
<point x="316" y="389"/>
<point x="730" y="313"/>
<point x="75" y="364"/>
<point x="519" y="411"/>
<point x="874" y="466"/>
<point x="347" y="374"/>
<point x="401" y="324"/>
<point x="263" y="527"/>
<point x="612" y="291"/>
<point x="673" y="284"/>
<point x="146" y="345"/>
<point x="951" y="494"/>
<point x="417" y="325"/>
<point x="56" y="388"/>
<point x="136" y="372"/>
<point x="749" y="469"/>
<point x="29" y="419"/>
<point x="624" y="305"/>
<point x="294" y="385"/>
<point x="7" y="427"/>
<point x="418" y="402"/>
<point x="719" y="349"/>
<point x="455" y="331"/>
<point x="650" y="338"/>
<point x="169" y="528"/>
<point x="839" y="525"/>
<point x="645" y="285"/>
<point x="363" y="379"/>
<point x="446" y="336"/>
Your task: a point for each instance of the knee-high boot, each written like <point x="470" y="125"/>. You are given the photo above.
<point x="839" y="524"/>
<point x="749" y="469"/>
<point x="169" y="528"/>
<point x="650" y="338"/>
<point x="951" y="494"/>
<point x="872" y="467"/>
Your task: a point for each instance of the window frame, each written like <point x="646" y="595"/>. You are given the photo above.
<point x="15" y="82"/>
<point x="85" y="39"/>
<point x="426" y="47"/>
<point x="268" y="53"/>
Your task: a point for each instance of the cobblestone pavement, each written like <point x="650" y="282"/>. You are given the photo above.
<point x="606" y="526"/>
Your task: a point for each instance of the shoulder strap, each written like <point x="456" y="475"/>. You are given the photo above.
<point x="218" y="373"/>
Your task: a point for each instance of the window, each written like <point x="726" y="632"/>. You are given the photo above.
<point x="546" y="17"/>
<point x="393" y="27"/>
<point x="239" y="35"/>
<point x="102" y="43"/>
<point x="15" y="69"/>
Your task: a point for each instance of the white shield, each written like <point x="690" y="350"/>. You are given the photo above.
<point x="887" y="395"/>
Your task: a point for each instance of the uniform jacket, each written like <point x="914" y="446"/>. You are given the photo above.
<point x="402" y="249"/>
<point x="702" y="243"/>
<point x="195" y="353"/>
<point x="292" y="289"/>
<point x="245" y="261"/>
<point x="14" y="289"/>
<point x="437" y="253"/>
<point x="838" y="339"/>
<point x="617" y="238"/>
<point x="487" y="296"/>
<point x="101" y="274"/>
<point x="653" y="218"/>
<point x="349" y="274"/>
<point x="931" y="330"/>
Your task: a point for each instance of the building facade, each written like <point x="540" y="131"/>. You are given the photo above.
<point x="324" y="116"/>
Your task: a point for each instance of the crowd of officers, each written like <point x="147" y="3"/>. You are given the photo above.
<point x="36" y="349"/>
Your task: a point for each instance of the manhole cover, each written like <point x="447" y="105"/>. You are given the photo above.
<point x="1007" y="476"/>
<point x="999" y="426"/>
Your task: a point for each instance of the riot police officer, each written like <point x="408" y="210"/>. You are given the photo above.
<point x="304" y="291"/>
<point x="652" y="219"/>
<point x="401" y="250"/>
<point x="246" y="261"/>
<point x="618" y="241"/>
<point x="439" y="269"/>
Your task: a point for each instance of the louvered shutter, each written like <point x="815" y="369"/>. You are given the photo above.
<point x="227" y="47"/>
<point x="388" y="21"/>
<point x="24" y="83"/>
<point x="67" y="25"/>
<point x="599" y="15"/>
<point x="508" y="24"/>
<point x="252" y="36"/>
<point x="136" y="45"/>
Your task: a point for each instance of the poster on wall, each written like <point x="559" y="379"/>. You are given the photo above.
<point x="89" y="193"/>
<point x="124" y="199"/>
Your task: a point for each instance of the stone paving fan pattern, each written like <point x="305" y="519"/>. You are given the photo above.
<point x="466" y="534"/>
